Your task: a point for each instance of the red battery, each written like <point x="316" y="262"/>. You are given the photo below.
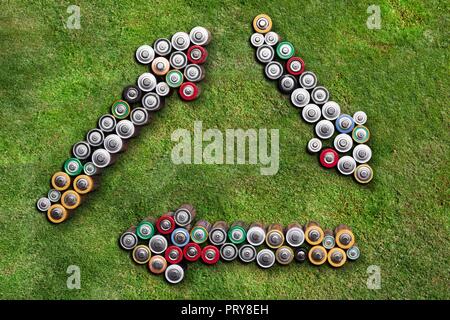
<point x="329" y="158"/>
<point x="188" y="91"/>
<point x="210" y="254"/>
<point x="173" y="255"/>
<point x="192" y="252"/>
<point x="295" y="66"/>
<point x="197" y="54"/>
<point x="165" y="224"/>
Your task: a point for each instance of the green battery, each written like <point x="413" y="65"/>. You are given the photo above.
<point x="73" y="167"/>
<point x="146" y="228"/>
<point x="120" y="109"/>
<point x="285" y="50"/>
<point x="174" y="78"/>
<point x="237" y="232"/>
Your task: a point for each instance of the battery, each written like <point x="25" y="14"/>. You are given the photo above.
<point x="218" y="233"/>
<point x="284" y="255"/>
<point x="70" y="199"/>
<point x="178" y="60"/>
<point x="361" y="134"/>
<point x="57" y="213"/>
<point x="346" y="165"/>
<point x="73" y="167"/>
<point x="363" y="173"/>
<point x="337" y="257"/>
<point x="81" y="150"/>
<point x="90" y="169"/>
<point x="174" y="78"/>
<point x="125" y="129"/>
<point x="271" y="38"/>
<point x="160" y="66"/>
<point x="107" y="123"/>
<point x="344" y="237"/>
<point x="360" y="117"/>
<point x="328" y="241"/>
<point x="256" y="235"/>
<point x="285" y="50"/>
<point x="295" y="66"/>
<point x="145" y="54"/>
<point x="287" y="83"/>
<point x="184" y="215"/>
<point x="180" y="41"/>
<point x="157" y="244"/>
<point x="197" y="55"/>
<point x="53" y="195"/>
<point x="331" y="110"/>
<point x="174" y="273"/>
<point x="173" y="255"/>
<point x="300" y="254"/>
<point x="180" y="237"/>
<point x="329" y="158"/>
<point x="308" y="80"/>
<point x="141" y="254"/>
<point x="162" y="89"/>
<point x="192" y="252"/>
<point x="362" y="153"/>
<point x="262" y="23"/>
<point x="60" y="181"/>
<point x="146" y="82"/>
<point x="273" y="70"/>
<point x="95" y="137"/>
<point x="131" y="94"/>
<point x="317" y="255"/>
<point x="320" y="95"/>
<point x="311" y="113"/>
<point x="189" y="91"/>
<point x="157" y="264"/>
<point x="295" y="235"/>
<point x="343" y="143"/>
<point x="120" y="109"/>
<point x="237" y="232"/>
<point x="194" y="73"/>
<point x="84" y="184"/>
<point x="265" y="258"/>
<point x="257" y="40"/>
<point x="139" y="116"/>
<point x="265" y="53"/>
<point x="162" y="47"/>
<point x="165" y="224"/>
<point x="275" y="236"/>
<point x="345" y="123"/>
<point x="146" y="228"/>
<point x="353" y="253"/>
<point x="114" y="144"/>
<point x="43" y="204"/>
<point x="228" y="252"/>
<point x="102" y="158"/>
<point x="128" y="240"/>
<point x="152" y="101"/>
<point x="200" y="231"/>
<point x="300" y="97"/>
<point x="247" y="253"/>
<point x="314" y="145"/>
<point x="210" y="255"/>
<point x="200" y="36"/>
<point x="313" y="233"/>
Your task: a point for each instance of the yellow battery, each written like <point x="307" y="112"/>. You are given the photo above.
<point x="57" y="214"/>
<point x="60" y="181"/>
<point x="262" y="23"/>
<point x="313" y="233"/>
<point x="70" y="199"/>
<point x="337" y="257"/>
<point x="83" y="184"/>
<point x="317" y="255"/>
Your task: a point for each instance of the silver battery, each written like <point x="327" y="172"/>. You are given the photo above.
<point x="54" y="195"/>
<point x="363" y="173"/>
<point x="362" y="153"/>
<point x="311" y="113"/>
<point x="180" y="41"/>
<point x="300" y="97"/>
<point x="95" y="137"/>
<point x="162" y="89"/>
<point x="308" y="80"/>
<point x="131" y="94"/>
<point x="331" y="110"/>
<point x="247" y="253"/>
<point x="295" y="237"/>
<point x="200" y="36"/>
<point x="287" y="83"/>
<point x="256" y="236"/>
<point x="320" y="95"/>
<point x="353" y="253"/>
<point x="182" y="217"/>
<point x="284" y="255"/>
<point x="90" y="169"/>
<point x="360" y="117"/>
<point x="128" y="240"/>
<point x="81" y="150"/>
<point x="139" y="116"/>
<point x="107" y="123"/>
<point x="113" y="143"/>
<point x="158" y="244"/>
<point x="125" y="129"/>
<point x="346" y="165"/>
<point x="194" y="73"/>
<point x="324" y="129"/>
<point x="152" y="101"/>
<point x="273" y="70"/>
<point x="265" y="53"/>
<point x="43" y="204"/>
<point x="217" y="236"/>
<point x="101" y="158"/>
<point x="174" y="274"/>
<point x="178" y="60"/>
<point x="343" y="143"/>
<point x="228" y="252"/>
<point x="265" y="258"/>
<point x="328" y="242"/>
<point x="146" y="82"/>
<point x="162" y="47"/>
<point x="271" y="38"/>
<point x="257" y="40"/>
<point x="314" y="145"/>
<point x="145" y="54"/>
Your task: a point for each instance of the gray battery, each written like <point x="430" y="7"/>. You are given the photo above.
<point x="113" y="143"/>
<point x="180" y="41"/>
<point x="343" y="143"/>
<point x="273" y="70"/>
<point x="200" y="36"/>
<point x="320" y="95"/>
<point x="145" y="54"/>
<point x="346" y="165"/>
<point x="162" y="47"/>
<point x="271" y="38"/>
<point x="95" y="137"/>
<point x="43" y="204"/>
<point x="257" y="40"/>
<point x="300" y="97"/>
<point x="362" y="153"/>
<point x="331" y="110"/>
<point x="152" y="101"/>
<point x="178" y="60"/>
<point x="265" y="258"/>
<point x="101" y="158"/>
<point x="139" y="116"/>
<point x="146" y="82"/>
<point x="265" y="53"/>
<point x="314" y="145"/>
<point x="324" y="129"/>
<point x="194" y="73"/>
<point x="107" y="123"/>
<point x="308" y="80"/>
<point x="311" y="113"/>
<point x="81" y="150"/>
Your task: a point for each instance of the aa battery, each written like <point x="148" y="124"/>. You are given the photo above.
<point x="275" y="236"/>
<point x="313" y="233"/>
<point x="173" y="255"/>
<point x="229" y="252"/>
<point x="361" y="134"/>
<point x="218" y="233"/>
<point x="257" y="39"/>
<point x="237" y="232"/>
<point x="320" y="95"/>
<point x="353" y="253"/>
<point x="362" y="153"/>
<point x="60" y="181"/>
<point x="81" y="150"/>
<point x="160" y="66"/>
<point x="180" y="41"/>
<point x="317" y="255"/>
<point x="146" y="82"/>
<point x="70" y="199"/>
<point x="57" y="213"/>
<point x="360" y="117"/>
<point x="165" y="224"/>
<point x="178" y="60"/>
<point x="285" y="50"/>
<point x="184" y="215"/>
<point x="128" y="240"/>
<point x="247" y="253"/>
<point x="95" y="137"/>
<point x="328" y="241"/>
<point x="200" y="231"/>
<point x="174" y="78"/>
<point x="314" y="145"/>
<point x="345" y="123"/>
<point x="343" y="143"/>
<point x="295" y="236"/>
<point x="113" y="144"/>
<point x="83" y="184"/>
<point x="73" y="167"/>
<point x="146" y="228"/>
<point x="162" y="89"/>
<point x="145" y="54"/>
<point x="162" y="47"/>
<point x="210" y="254"/>
<point x="300" y="255"/>
<point x="157" y="244"/>
<point x="331" y="110"/>
<point x="200" y="36"/>
<point x="256" y="235"/>
<point x="363" y="173"/>
<point x="284" y="255"/>
<point x="141" y="254"/>
<point x="157" y="264"/>
<point x="300" y="97"/>
<point x="311" y="113"/>
<point x="344" y="237"/>
<point x="346" y="165"/>
<point x="194" y="73"/>
<point x="53" y="195"/>
<point x="308" y="80"/>
<point x="107" y="123"/>
<point x="120" y="109"/>
<point x="273" y="70"/>
<point x="102" y="158"/>
<point x="337" y="257"/>
<point x="90" y="169"/>
<point x="329" y="158"/>
<point x="192" y="252"/>
<point x="197" y="55"/>
<point x="131" y="94"/>
<point x="152" y="101"/>
<point x="271" y="38"/>
<point x="139" y="116"/>
<point x="43" y="204"/>
<point x="265" y="258"/>
<point x="189" y="91"/>
<point x="287" y="83"/>
<point x="295" y="66"/>
<point x="125" y="129"/>
<point x="180" y="237"/>
<point x="174" y="273"/>
<point x="265" y="53"/>
<point x="262" y="23"/>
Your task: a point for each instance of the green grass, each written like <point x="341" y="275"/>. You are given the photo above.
<point x="55" y="83"/>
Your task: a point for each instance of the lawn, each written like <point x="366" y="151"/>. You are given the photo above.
<point x="55" y="82"/>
